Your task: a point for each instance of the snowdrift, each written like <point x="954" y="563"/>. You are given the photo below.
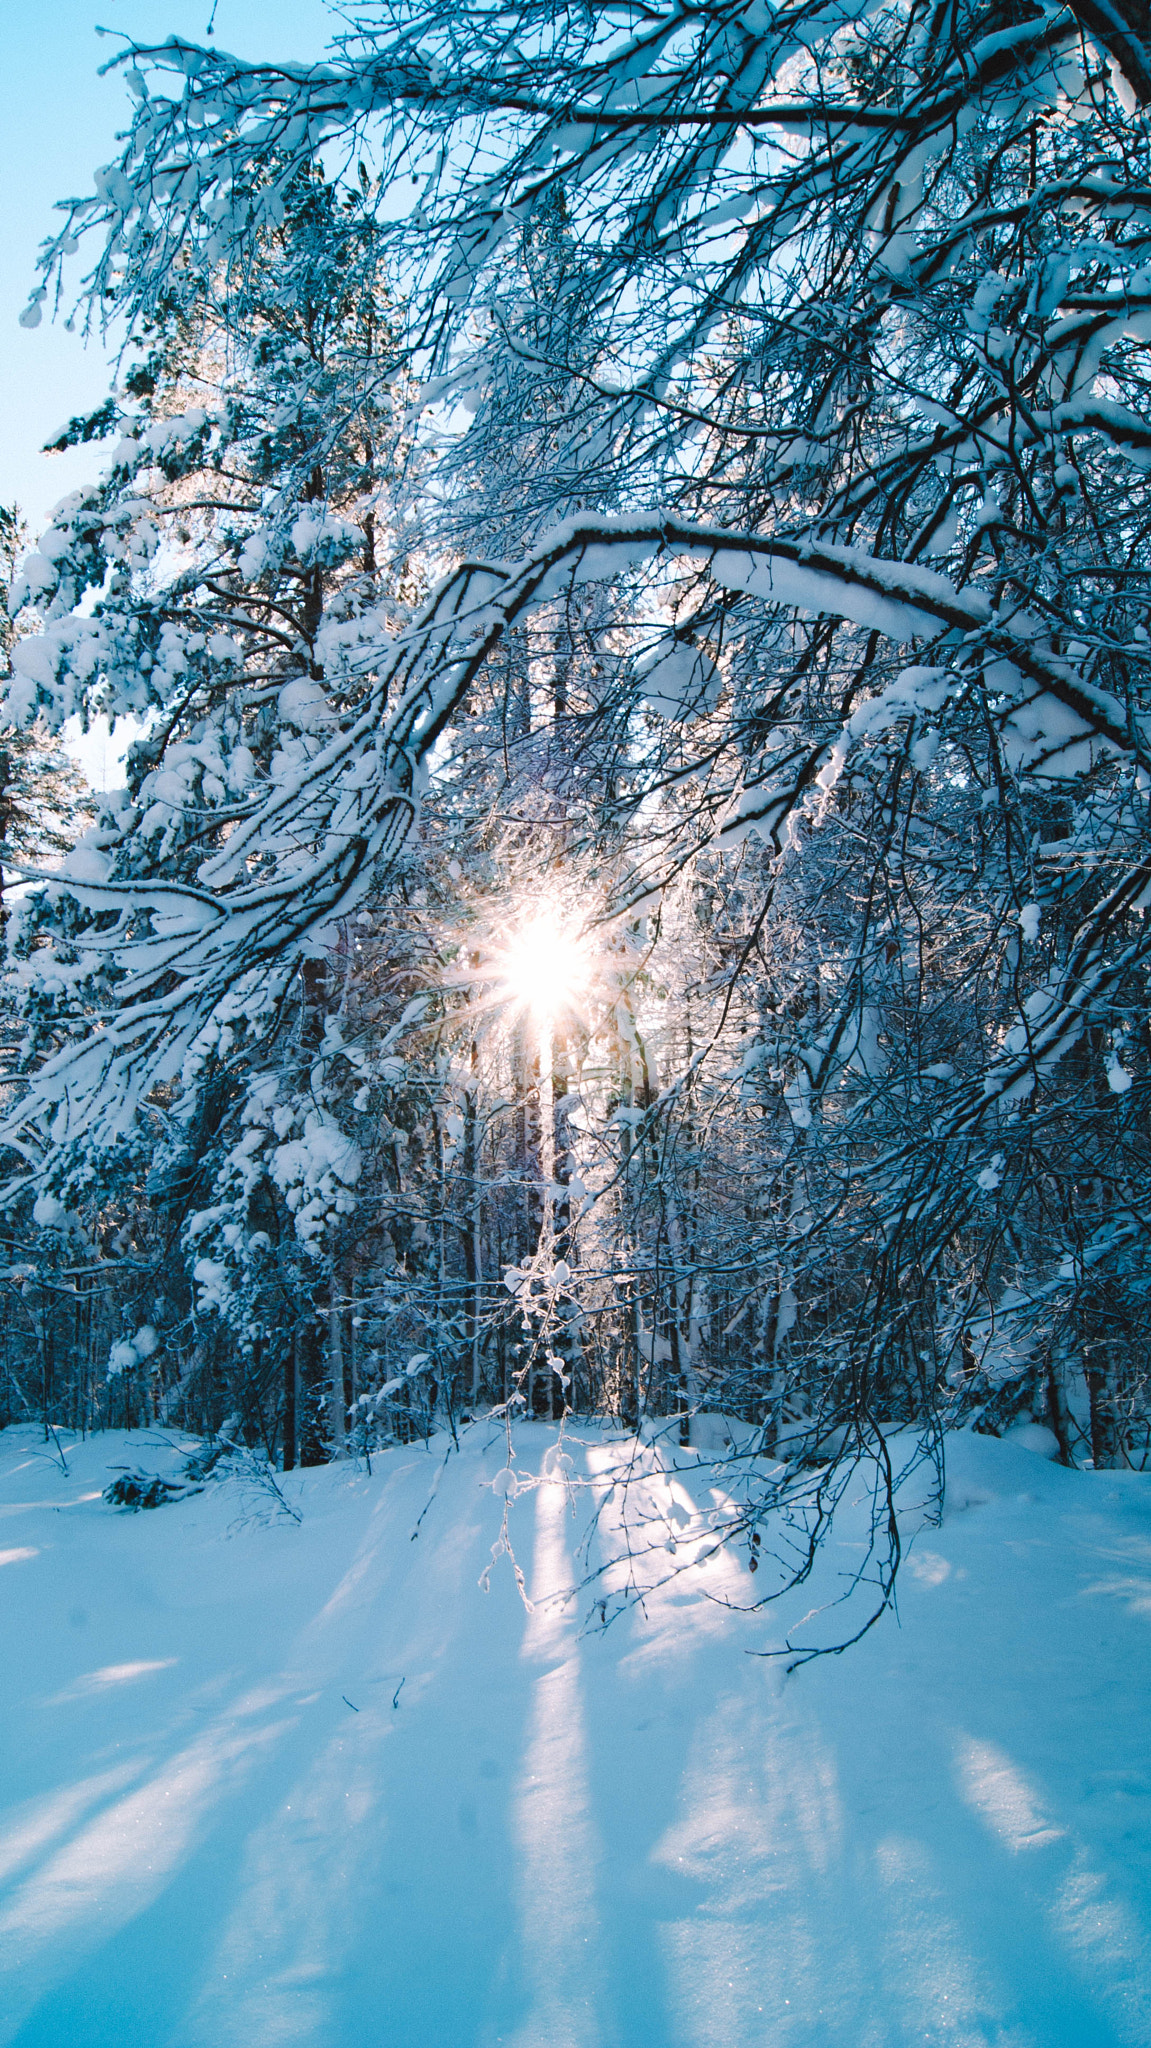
<point x="269" y="1783"/>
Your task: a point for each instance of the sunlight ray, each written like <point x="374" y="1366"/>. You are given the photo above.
<point x="559" y="1848"/>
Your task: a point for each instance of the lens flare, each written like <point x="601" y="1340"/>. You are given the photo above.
<point x="544" y="966"/>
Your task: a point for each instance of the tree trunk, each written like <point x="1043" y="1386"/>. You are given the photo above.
<point x="337" y="1392"/>
<point x="291" y="1378"/>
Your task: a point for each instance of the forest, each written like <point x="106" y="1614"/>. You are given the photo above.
<point x="622" y="538"/>
<point x="575" y="1121"/>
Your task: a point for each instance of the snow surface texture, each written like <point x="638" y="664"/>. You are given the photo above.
<point x="274" y="1784"/>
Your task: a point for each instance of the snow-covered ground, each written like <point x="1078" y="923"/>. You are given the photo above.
<point x="273" y="1784"/>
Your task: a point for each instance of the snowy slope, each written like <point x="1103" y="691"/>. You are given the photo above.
<point x="227" y="1823"/>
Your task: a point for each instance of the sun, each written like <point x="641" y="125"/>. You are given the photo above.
<point x="544" y="967"/>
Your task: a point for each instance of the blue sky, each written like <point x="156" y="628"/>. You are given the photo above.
<point x="58" y="120"/>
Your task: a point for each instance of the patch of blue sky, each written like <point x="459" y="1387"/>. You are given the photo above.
<point x="58" y="121"/>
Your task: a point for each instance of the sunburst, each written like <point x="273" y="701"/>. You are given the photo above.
<point x="543" y="968"/>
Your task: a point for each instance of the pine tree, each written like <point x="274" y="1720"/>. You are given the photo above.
<point x="239" y="608"/>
